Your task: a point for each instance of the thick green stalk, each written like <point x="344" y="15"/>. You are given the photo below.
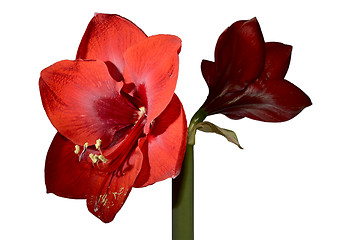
<point x="183" y="199"/>
<point x="183" y="190"/>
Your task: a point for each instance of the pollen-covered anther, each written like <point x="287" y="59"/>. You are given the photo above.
<point x="141" y="112"/>
<point x="77" y="149"/>
<point x="103" y="159"/>
<point x="98" y="144"/>
<point x="96" y="158"/>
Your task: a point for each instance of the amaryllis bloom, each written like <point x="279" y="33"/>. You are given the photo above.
<point x="247" y="77"/>
<point x="119" y="123"/>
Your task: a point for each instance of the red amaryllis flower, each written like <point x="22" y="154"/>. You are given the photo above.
<point x="247" y="77"/>
<point x="119" y="123"/>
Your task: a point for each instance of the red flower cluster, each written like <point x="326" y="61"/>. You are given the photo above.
<point x="247" y="77"/>
<point x="119" y="123"/>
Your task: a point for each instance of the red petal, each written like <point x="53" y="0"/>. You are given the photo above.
<point x="106" y="38"/>
<point x="108" y="191"/>
<point x="65" y="176"/>
<point x="240" y="54"/>
<point x="208" y="70"/>
<point x="269" y="101"/>
<point x="165" y="147"/>
<point x="152" y="68"/>
<point x="277" y="60"/>
<point x="83" y="102"/>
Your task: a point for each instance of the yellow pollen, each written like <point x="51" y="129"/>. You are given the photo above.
<point x="142" y="109"/>
<point x="103" y="159"/>
<point x="141" y="112"/>
<point x="94" y="158"/>
<point x="86" y="145"/>
<point x="77" y="149"/>
<point x="98" y="144"/>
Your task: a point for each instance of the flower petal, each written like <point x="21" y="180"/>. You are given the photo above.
<point x="208" y="70"/>
<point x="108" y="191"/>
<point x="240" y="54"/>
<point x="83" y="102"/>
<point x="269" y="101"/>
<point x="106" y="38"/>
<point x="277" y="60"/>
<point x="151" y="69"/>
<point x="165" y="147"/>
<point x="65" y="176"/>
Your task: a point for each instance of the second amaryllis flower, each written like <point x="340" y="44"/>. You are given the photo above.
<point x="119" y="123"/>
<point x="247" y="77"/>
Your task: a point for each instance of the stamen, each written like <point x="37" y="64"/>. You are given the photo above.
<point x="142" y="110"/>
<point x="98" y="144"/>
<point x="77" y="149"/>
<point x="94" y="158"/>
<point x="103" y="159"/>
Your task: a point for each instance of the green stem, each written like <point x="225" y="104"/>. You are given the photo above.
<point x="183" y="190"/>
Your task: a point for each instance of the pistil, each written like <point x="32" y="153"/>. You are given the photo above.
<point x="117" y="153"/>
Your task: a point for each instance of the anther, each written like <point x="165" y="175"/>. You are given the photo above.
<point x="77" y="149"/>
<point x="94" y="158"/>
<point x="142" y="111"/>
<point x="103" y="159"/>
<point x="98" y="144"/>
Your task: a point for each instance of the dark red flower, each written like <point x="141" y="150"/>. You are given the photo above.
<point x="247" y="77"/>
<point x="119" y="123"/>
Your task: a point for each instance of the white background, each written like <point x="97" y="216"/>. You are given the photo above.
<point x="294" y="180"/>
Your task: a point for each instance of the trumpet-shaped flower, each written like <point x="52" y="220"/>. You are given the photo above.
<point x="247" y="77"/>
<point x="119" y="123"/>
